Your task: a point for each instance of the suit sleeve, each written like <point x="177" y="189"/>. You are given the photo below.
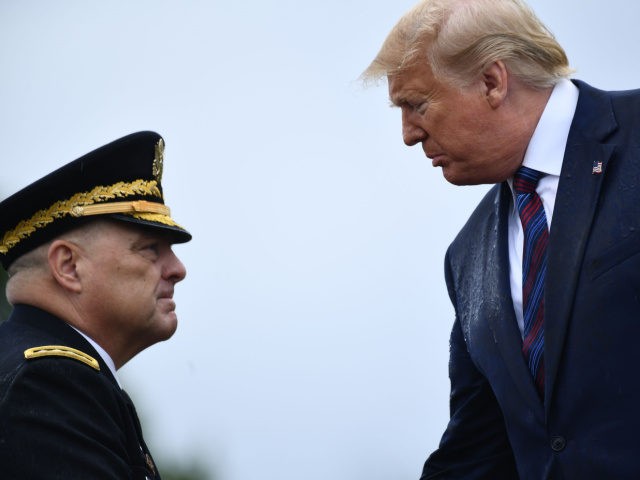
<point x="60" y="419"/>
<point x="475" y="444"/>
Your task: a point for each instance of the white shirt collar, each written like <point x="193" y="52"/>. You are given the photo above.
<point x="102" y="352"/>
<point x="544" y="153"/>
<point x="546" y="148"/>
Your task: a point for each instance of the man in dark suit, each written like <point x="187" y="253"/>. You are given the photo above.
<point x="88" y="250"/>
<point x="545" y="275"/>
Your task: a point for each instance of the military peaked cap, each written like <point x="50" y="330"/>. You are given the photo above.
<point x="121" y="180"/>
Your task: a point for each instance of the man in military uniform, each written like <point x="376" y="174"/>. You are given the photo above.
<point x="88" y="250"/>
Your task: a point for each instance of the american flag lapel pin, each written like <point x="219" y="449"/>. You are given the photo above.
<point x="597" y="168"/>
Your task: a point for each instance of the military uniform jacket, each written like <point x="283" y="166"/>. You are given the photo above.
<point x="60" y="416"/>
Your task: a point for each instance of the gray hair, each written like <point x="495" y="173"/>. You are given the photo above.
<point x="35" y="259"/>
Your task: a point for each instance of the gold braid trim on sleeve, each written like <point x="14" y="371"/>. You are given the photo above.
<point x="64" y="208"/>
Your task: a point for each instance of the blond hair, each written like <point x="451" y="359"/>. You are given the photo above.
<point x="460" y="38"/>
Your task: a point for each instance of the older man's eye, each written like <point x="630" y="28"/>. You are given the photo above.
<point x="151" y="248"/>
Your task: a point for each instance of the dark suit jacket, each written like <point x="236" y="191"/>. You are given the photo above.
<point x="588" y="426"/>
<point x="61" y="418"/>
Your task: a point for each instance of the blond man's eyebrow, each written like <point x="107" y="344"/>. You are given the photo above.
<point x="397" y="101"/>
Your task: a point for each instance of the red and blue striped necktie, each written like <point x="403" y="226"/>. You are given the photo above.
<point x="534" y="269"/>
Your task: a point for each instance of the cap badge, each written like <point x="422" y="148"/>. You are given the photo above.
<point x="158" y="161"/>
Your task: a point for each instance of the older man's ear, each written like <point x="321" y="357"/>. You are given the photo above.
<point x="63" y="257"/>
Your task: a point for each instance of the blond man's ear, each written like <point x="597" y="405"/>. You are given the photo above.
<point x="495" y="83"/>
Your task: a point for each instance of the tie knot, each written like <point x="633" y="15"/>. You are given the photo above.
<point x="526" y="180"/>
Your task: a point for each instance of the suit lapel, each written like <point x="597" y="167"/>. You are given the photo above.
<point x="502" y="319"/>
<point x="576" y="203"/>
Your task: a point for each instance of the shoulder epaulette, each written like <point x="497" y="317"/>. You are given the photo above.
<point x="61" y="351"/>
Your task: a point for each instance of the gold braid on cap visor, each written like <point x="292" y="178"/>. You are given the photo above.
<point x="95" y="202"/>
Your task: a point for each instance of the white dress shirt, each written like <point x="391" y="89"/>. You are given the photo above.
<point x="103" y="354"/>
<point x="544" y="153"/>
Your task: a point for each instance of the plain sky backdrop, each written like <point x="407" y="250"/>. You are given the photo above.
<point x="314" y="320"/>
